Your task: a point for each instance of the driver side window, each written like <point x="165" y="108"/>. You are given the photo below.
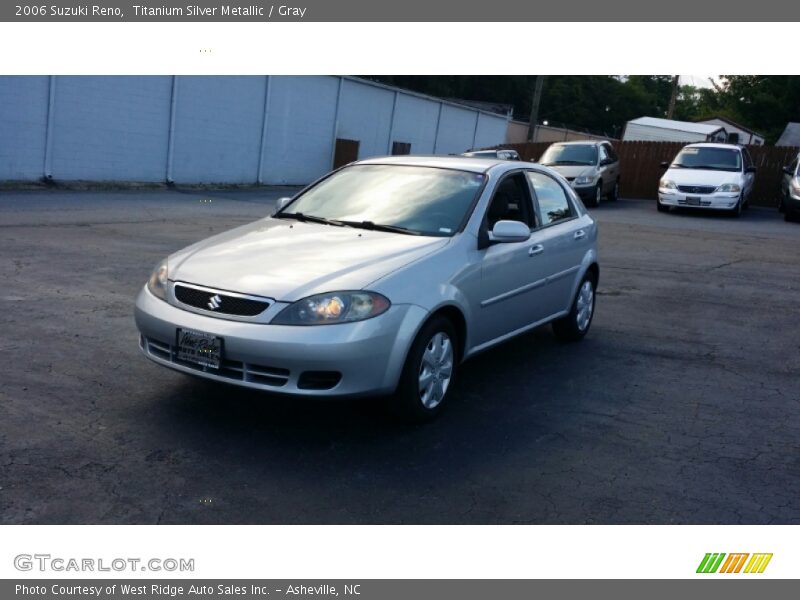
<point x="511" y="202"/>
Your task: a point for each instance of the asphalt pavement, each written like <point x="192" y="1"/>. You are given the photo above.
<point x="682" y="405"/>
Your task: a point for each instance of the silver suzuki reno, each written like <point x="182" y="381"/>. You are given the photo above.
<point x="379" y="279"/>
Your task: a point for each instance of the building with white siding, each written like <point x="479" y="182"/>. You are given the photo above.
<point x="652" y="129"/>
<point x="220" y="129"/>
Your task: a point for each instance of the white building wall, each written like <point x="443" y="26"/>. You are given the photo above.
<point x="365" y="114"/>
<point x="635" y="132"/>
<point x="745" y="137"/>
<point x="457" y="130"/>
<point x="415" y="121"/>
<point x="218" y="123"/>
<point x="110" y="128"/>
<point x="490" y="128"/>
<point x="217" y="129"/>
<point x="300" y="129"/>
<point x="23" y="123"/>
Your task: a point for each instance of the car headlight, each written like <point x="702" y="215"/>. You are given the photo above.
<point x="584" y="180"/>
<point x="729" y="187"/>
<point x="333" y="307"/>
<point x="157" y="284"/>
<point x="666" y="184"/>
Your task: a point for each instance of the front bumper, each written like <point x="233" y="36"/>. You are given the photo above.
<point x="369" y="354"/>
<point x="792" y="203"/>
<point x="585" y="192"/>
<point x="715" y="201"/>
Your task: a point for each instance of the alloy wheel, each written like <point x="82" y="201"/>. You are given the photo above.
<point x="585" y="305"/>
<point x="435" y="370"/>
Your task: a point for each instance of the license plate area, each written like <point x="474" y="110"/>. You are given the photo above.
<point x="693" y="200"/>
<point x="199" y="348"/>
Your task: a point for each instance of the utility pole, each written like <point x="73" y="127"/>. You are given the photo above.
<point x="537" y="98"/>
<point x="674" y="97"/>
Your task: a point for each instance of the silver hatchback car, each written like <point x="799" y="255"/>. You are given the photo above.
<point x="378" y="279"/>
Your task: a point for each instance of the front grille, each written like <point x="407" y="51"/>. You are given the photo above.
<point x="229" y="369"/>
<point x="697" y="189"/>
<point x="683" y="202"/>
<point x="219" y="302"/>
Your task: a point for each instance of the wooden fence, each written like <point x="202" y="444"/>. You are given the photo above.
<point x="640" y="167"/>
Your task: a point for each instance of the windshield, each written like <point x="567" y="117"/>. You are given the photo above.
<point x="708" y="158"/>
<point x="572" y="154"/>
<point x="422" y="200"/>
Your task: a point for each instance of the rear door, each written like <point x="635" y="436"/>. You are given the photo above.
<point x="564" y="236"/>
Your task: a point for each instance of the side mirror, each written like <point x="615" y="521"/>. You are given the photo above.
<point x="533" y="160"/>
<point x="665" y="165"/>
<point x="505" y="232"/>
<point x="281" y="203"/>
<point x="788" y="170"/>
<point x="751" y="169"/>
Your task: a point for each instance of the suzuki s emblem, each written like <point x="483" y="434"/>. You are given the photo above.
<point x="214" y="302"/>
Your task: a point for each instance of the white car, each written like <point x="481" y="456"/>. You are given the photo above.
<point x="710" y="176"/>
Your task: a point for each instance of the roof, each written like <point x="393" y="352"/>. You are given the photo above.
<point x="461" y="163"/>
<point x="790" y="135"/>
<point x="713" y="145"/>
<point x="579" y="143"/>
<point x="687" y="126"/>
<point x="730" y="122"/>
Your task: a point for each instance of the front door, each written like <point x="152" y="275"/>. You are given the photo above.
<point x="513" y="275"/>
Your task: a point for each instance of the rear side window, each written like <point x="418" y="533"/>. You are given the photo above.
<point x="551" y="197"/>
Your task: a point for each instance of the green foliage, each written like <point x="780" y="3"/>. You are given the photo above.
<point x="604" y="103"/>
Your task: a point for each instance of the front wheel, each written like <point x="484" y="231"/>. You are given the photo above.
<point x="614" y="195"/>
<point x="661" y="207"/>
<point x="598" y="195"/>
<point x="736" y="211"/>
<point x="575" y="325"/>
<point x="428" y="373"/>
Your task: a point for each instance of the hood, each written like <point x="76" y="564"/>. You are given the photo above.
<point x="572" y="171"/>
<point x="702" y="177"/>
<point x="289" y="260"/>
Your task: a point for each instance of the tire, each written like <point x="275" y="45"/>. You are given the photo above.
<point x="661" y="207"/>
<point x="614" y="195"/>
<point x="434" y="353"/>
<point x="736" y="211"/>
<point x="575" y="325"/>
<point x="598" y="195"/>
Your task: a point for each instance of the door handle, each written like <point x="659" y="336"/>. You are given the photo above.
<point x="580" y="234"/>
<point x="534" y="250"/>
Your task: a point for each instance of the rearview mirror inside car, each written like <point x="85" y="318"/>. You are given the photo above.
<point x="505" y="232"/>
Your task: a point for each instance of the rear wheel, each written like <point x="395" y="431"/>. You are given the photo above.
<point x="575" y="325"/>
<point x="428" y="373"/>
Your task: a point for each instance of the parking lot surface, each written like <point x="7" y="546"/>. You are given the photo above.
<point x="681" y="406"/>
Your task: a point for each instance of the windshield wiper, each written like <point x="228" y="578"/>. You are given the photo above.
<point x="712" y="168"/>
<point x="308" y="218"/>
<point x="379" y="227"/>
<point x="570" y="162"/>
